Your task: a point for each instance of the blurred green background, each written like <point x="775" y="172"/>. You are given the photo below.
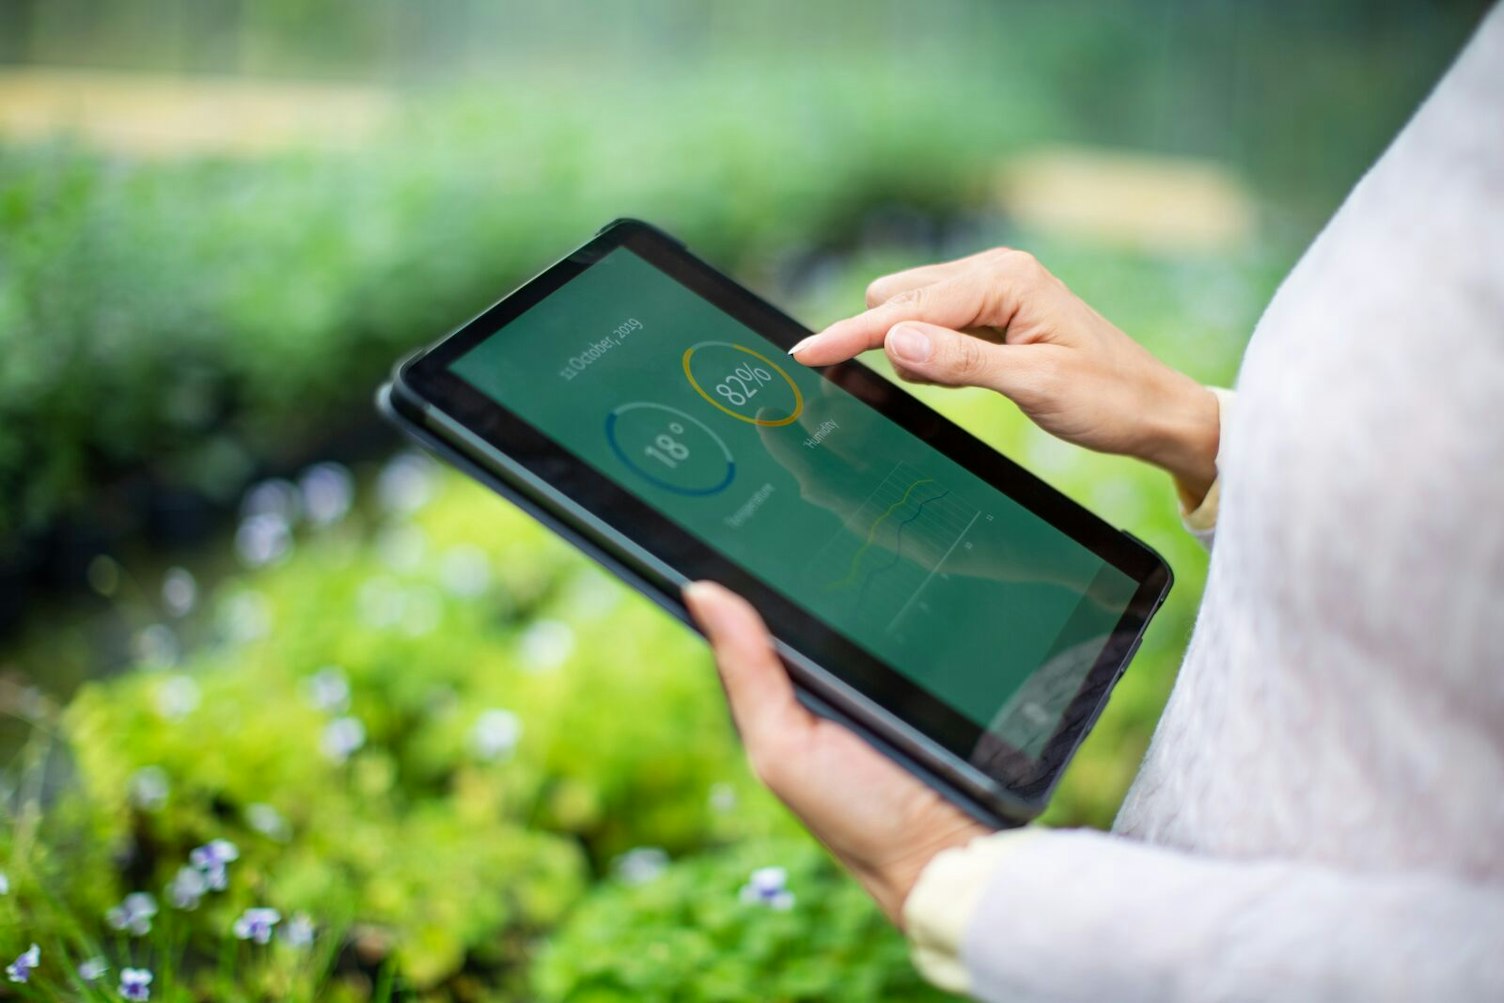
<point x="460" y="762"/>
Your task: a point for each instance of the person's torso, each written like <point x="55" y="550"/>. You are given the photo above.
<point x="1343" y="695"/>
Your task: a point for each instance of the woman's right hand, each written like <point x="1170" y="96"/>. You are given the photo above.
<point x="1000" y="320"/>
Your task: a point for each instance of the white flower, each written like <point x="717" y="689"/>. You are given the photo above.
<point x="4" y="883"/>
<point x="381" y="602"/>
<point x="275" y="497"/>
<point x="156" y="645"/>
<point x="148" y="788"/>
<point x="262" y="539"/>
<point x="245" y="616"/>
<point x="329" y="690"/>
<point x="177" y="697"/>
<point x="545" y="645"/>
<point x="187" y="888"/>
<point x="722" y="797"/>
<point x="328" y="489"/>
<point x="640" y="865"/>
<point x="424" y="609"/>
<point x="298" y="931"/>
<point x="92" y="970"/>
<point x="495" y="734"/>
<point x="268" y="821"/>
<point x="402" y="547"/>
<point x="592" y="594"/>
<point x="465" y="572"/>
<point x="179" y="591"/>
<point x="406" y="483"/>
<point x="343" y="737"/>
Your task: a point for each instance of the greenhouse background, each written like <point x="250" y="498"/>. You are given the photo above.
<point x="255" y="653"/>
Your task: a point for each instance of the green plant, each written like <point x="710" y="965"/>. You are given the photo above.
<point x="699" y="932"/>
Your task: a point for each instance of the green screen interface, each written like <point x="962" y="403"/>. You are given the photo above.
<point x="890" y="543"/>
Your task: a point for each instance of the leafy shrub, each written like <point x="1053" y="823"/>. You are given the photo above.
<point x="428" y="729"/>
<point x="692" y="933"/>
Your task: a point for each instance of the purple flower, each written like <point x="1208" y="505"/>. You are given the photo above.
<point x="4" y="883"/>
<point x="92" y="970"/>
<point x="256" y="924"/>
<point x="20" y="969"/>
<point x="211" y="859"/>
<point x="135" y="983"/>
<point x="133" y="914"/>
<point x="768" y="886"/>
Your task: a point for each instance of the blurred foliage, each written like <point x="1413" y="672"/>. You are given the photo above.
<point x="435" y="845"/>
<point x="689" y="935"/>
<point x="438" y="861"/>
<point x="196" y="320"/>
<point x="480" y="769"/>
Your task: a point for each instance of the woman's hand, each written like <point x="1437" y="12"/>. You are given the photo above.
<point x="879" y="821"/>
<point x="1000" y="320"/>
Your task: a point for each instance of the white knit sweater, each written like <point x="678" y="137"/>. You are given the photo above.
<point x="1321" y="813"/>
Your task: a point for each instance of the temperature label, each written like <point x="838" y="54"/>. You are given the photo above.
<point x="675" y="451"/>
<point x="743" y="383"/>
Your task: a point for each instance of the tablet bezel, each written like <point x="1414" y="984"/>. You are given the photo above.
<point x="430" y="379"/>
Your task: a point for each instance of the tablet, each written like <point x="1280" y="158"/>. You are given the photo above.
<point x="952" y="608"/>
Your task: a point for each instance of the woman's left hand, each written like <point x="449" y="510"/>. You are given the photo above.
<point x="879" y="821"/>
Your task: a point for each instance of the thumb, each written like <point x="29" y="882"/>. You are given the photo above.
<point x="761" y="694"/>
<point x="939" y="355"/>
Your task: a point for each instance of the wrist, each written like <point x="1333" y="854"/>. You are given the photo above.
<point x="890" y="882"/>
<point x="1182" y="435"/>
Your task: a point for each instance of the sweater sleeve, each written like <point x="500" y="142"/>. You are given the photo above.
<point x="1078" y="915"/>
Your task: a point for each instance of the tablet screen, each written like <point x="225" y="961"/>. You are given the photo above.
<point x="971" y="596"/>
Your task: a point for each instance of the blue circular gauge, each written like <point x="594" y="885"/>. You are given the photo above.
<point x="671" y="449"/>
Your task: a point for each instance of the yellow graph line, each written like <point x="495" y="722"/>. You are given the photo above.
<point x="872" y="532"/>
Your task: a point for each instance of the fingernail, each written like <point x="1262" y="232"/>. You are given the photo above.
<point x="694" y="593"/>
<point x="910" y="344"/>
<point x="802" y="345"/>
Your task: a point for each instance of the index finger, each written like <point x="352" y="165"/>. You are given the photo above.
<point x="958" y="302"/>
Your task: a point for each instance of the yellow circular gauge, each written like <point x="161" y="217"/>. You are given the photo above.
<point x="743" y="383"/>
